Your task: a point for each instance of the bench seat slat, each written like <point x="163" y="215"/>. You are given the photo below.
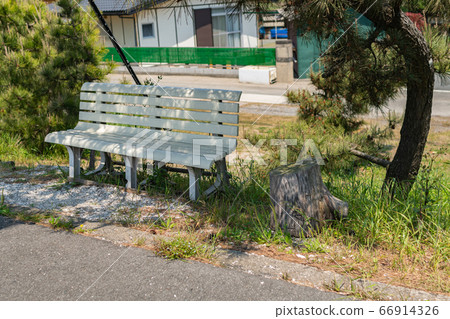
<point x="100" y="129"/>
<point x="167" y="101"/>
<point x="184" y="146"/>
<point x="160" y="123"/>
<point x="212" y="94"/>
<point x="152" y="111"/>
<point x="179" y="154"/>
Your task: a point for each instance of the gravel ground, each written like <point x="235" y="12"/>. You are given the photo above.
<point x="92" y="203"/>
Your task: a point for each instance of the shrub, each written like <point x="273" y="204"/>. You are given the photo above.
<point x="45" y="59"/>
<point x="314" y="107"/>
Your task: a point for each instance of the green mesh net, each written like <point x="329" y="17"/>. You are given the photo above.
<point x="232" y="56"/>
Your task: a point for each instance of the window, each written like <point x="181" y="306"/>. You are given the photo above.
<point x="226" y="28"/>
<point x="147" y="30"/>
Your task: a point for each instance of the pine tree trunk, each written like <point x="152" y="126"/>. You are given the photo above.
<point x="420" y="84"/>
<point x="416" y="124"/>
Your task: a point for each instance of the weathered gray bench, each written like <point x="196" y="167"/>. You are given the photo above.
<point x="191" y="127"/>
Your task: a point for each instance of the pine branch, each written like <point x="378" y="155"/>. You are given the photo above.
<point x="370" y="158"/>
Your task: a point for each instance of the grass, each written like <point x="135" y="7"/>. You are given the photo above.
<point x="403" y="242"/>
<point x="23" y="216"/>
<point x="61" y="223"/>
<point x="184" y="247"/>
<point x="141" y="241"/>
<point x="357" y="292"/>
<point x="127" y="216"/>
<point x="11" y="149"/>
<point x="54" y="222"/>
<point x="81" y="230"/>
<point x="285" y="276"/>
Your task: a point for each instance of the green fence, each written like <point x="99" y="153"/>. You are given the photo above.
<point x="309" y="48"/>
<point x="233" y="56"/>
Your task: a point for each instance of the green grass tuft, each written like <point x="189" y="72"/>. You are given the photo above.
<point x="59" y="223"/>
<point x="182" y="247"/>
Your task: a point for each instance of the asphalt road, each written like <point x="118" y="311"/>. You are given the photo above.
<point x="441" y="102"/>
<point x="273" y="94"/>
<point x="38" y="263"/>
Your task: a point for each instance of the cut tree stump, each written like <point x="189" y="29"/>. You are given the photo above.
<point x="302" y="203"/>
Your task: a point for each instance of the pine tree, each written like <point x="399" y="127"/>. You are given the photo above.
<point x="367" y="67"/>
<point x="47" y="57"/>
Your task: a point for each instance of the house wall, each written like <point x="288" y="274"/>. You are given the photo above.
<point x="123" y="29"/>
<point x="144" y="17"/>
<point x="176" y="27"/>
<point x="128" y="31"/>
<point x="185" y="27"/>
<point x="249" y="31"/>
<point x="166" y="23"/>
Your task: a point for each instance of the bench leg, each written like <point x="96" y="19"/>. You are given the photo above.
<point x="194" y="179"/>
<point x="105" y="163"/>
<point x="131" y="164"/>
<point x="222" y="171"/>
<point x="74" y="161"/>
<point x="221" y="178"/>
<point x="92" y="160"/>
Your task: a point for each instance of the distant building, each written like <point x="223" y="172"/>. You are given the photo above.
<point x="163" y="23"/>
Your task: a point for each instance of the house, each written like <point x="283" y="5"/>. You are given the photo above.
<point x="162" y="23"/>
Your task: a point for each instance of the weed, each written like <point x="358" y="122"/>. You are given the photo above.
<point x="151" y="81"/>
<point x="334" y="285"/>
<point x="182" y="247"/>
<point x="140" y="241"/>
<point x="286" y="276"/>
<point x="25" y="217"/>
<point x="62" y="173"/>
<point x="127" y="216"/>
<point x="59" y="223"/>
<point x="81" y="230"/>
<point x="124" y="80"/>
<point x="368" y="293"/>
<point x="313" y="245"/>
<point x="5" y="211"/>
<point x="32" y="218"/>
<point x="166" y="224"/>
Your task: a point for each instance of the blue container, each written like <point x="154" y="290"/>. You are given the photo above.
<point x="279" y="33"/>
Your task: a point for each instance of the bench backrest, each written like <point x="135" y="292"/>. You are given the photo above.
<point x="205" y="111"/>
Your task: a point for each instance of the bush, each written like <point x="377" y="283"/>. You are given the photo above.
<point x="313" y="107"/>
<point x="45" y="59"/>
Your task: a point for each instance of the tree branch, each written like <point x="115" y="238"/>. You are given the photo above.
<point x="370" y="158"/>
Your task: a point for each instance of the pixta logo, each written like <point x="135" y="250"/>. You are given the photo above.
<point x="309" y="147"/>
<point x="163" y="146"/>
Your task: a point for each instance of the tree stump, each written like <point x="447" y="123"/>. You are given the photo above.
<point x="302" y="203"/>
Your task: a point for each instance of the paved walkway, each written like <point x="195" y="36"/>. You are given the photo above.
<point x="38" y="263"/>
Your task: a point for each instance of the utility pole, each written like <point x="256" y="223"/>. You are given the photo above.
<point x="114" y="42"/>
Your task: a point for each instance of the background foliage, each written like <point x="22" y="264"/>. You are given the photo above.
<point x="45" y="59"/>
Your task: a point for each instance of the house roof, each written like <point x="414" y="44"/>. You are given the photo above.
<point x="116" y="7"/>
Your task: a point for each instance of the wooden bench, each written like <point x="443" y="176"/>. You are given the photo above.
<point x="191" y="127"/>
